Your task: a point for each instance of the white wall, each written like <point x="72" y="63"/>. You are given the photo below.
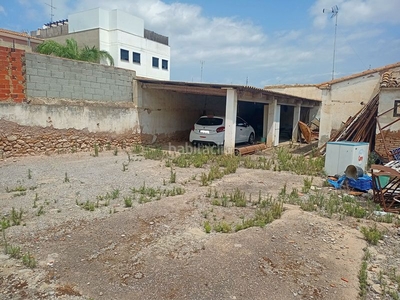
<point x="120" y="30"/>
<point x="89" y="19"/>
<point x="343" y="100"/>
<point x="120" y="20"/>
<point x="169" y="112"/>
<point x="304" y="91"/>
<point x="94" y="118"/>
<point x="387" y="97"/>
<point x="118" y="39"/>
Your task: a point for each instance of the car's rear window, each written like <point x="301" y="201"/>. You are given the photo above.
<point x="210" y="121"/>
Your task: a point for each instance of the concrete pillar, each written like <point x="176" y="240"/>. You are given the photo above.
<point x="230" y="121"/>
<point x="325" y="122"/>
<point x="296" y="119"/>
<point x="274" y="111"/>
<point x="265" y="123"/>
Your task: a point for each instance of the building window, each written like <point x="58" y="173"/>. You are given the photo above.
<point x="164" y="64"/>
<point x="396" y="110"/>
<point x="124" y="55"/>
<point x="155" y="62"/>
<point x="136" y="57"/>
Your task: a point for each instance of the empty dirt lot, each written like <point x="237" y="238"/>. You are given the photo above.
<point x="119" y="226"/>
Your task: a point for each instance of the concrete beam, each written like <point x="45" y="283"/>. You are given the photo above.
<point x="230" y="120"/>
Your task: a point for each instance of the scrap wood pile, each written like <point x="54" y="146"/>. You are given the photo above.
<point x="309" y="133"/>
<point x="359" y="128"/>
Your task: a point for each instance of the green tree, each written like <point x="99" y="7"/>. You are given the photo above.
<point x="72" y="51"/>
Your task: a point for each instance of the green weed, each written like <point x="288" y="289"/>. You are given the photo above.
<point x="40" y="211"/>
<point x="128" y="201"/>
<point x="223" y="227"/>
<point x="172" y="177"/>
<point x="238" y="198"/>
<point x="18" y="188"/>
<point x="372" y="235"/>
<point x="28" y="260"/>
<point x="207" y="226"/>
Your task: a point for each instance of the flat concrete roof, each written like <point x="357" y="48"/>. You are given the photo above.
<point x="245" y="93"/>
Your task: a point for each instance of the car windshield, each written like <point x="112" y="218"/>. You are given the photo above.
<point x="210" y="121"/>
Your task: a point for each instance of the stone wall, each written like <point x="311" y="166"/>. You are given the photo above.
<point x="53" y="77"/>
<point x="17" y="140"/>
<point x="12" y="75"/>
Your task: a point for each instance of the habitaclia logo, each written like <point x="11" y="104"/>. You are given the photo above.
<point x="201" y="149"/>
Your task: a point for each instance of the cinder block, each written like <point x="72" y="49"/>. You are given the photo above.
<point x="30" y="86"/>
<point x="87" y="96"/>
<point x="81" y="77"/>
<point x="67" y="89"/>
<point x="44" y="73"/>
<point x="109" y="93"/>
<point x="65" y="95"/>
<point x="53" y="94"/>
<point x="88" y="90"/>
<point x="95" y="85"/>
<point x="42" y="87"/>
<point x="98" y="74"/>
<point x="87" y="72"/>
<point x="101" y="80"/>
<point x="69" y="75"/>
<point x="110" y="81"/>
<point x="55" y="87"/>
<point x="36" y="93"/>
<point x="77" y="96"/>
<point x="98" y="97"/>
<point x="31" y="71"/>
<point x="36" y="79"/>
<point x="57" y="74"/>
<point x="61" y="81"/>
<point x="72" y="82"/>
<point x="119" y="82"/>
<point x="78" y="89"/>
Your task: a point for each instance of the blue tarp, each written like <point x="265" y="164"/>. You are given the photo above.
<point x="363" y="183"/>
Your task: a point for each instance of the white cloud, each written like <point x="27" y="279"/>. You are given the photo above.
<point x="2" y="10"/>
<point x="234" y="48"/>
<point x="357" y="12"/>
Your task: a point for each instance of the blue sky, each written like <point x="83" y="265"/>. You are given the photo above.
<point x="261" y="42"/>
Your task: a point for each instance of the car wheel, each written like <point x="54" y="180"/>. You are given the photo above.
<point x="251" y="139"/>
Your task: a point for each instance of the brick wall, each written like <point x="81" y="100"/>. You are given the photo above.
<point x="53" y="77"/>
<point x="392" y="141"/>
<point x="12" y="75"/>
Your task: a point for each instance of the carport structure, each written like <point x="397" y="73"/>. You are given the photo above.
<point x="192" y="100"/>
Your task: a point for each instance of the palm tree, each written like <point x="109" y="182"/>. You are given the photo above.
<point x="71" y="51"/>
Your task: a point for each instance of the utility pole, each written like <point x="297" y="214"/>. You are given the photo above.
<point x="334" y="10"/>
<point x="51" y="10"/>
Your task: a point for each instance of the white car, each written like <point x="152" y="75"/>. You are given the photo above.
<point x="211" y="130"/>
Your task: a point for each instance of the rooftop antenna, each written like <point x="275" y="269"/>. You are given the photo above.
<point x="51" y="10"/>
<point x="201" y="70"/>
<point x="334" y="10"/>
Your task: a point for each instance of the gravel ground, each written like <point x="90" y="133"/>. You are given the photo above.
<point x="159" y="249"/>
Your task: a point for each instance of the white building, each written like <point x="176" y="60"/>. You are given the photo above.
<point x="123" y="35"/>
